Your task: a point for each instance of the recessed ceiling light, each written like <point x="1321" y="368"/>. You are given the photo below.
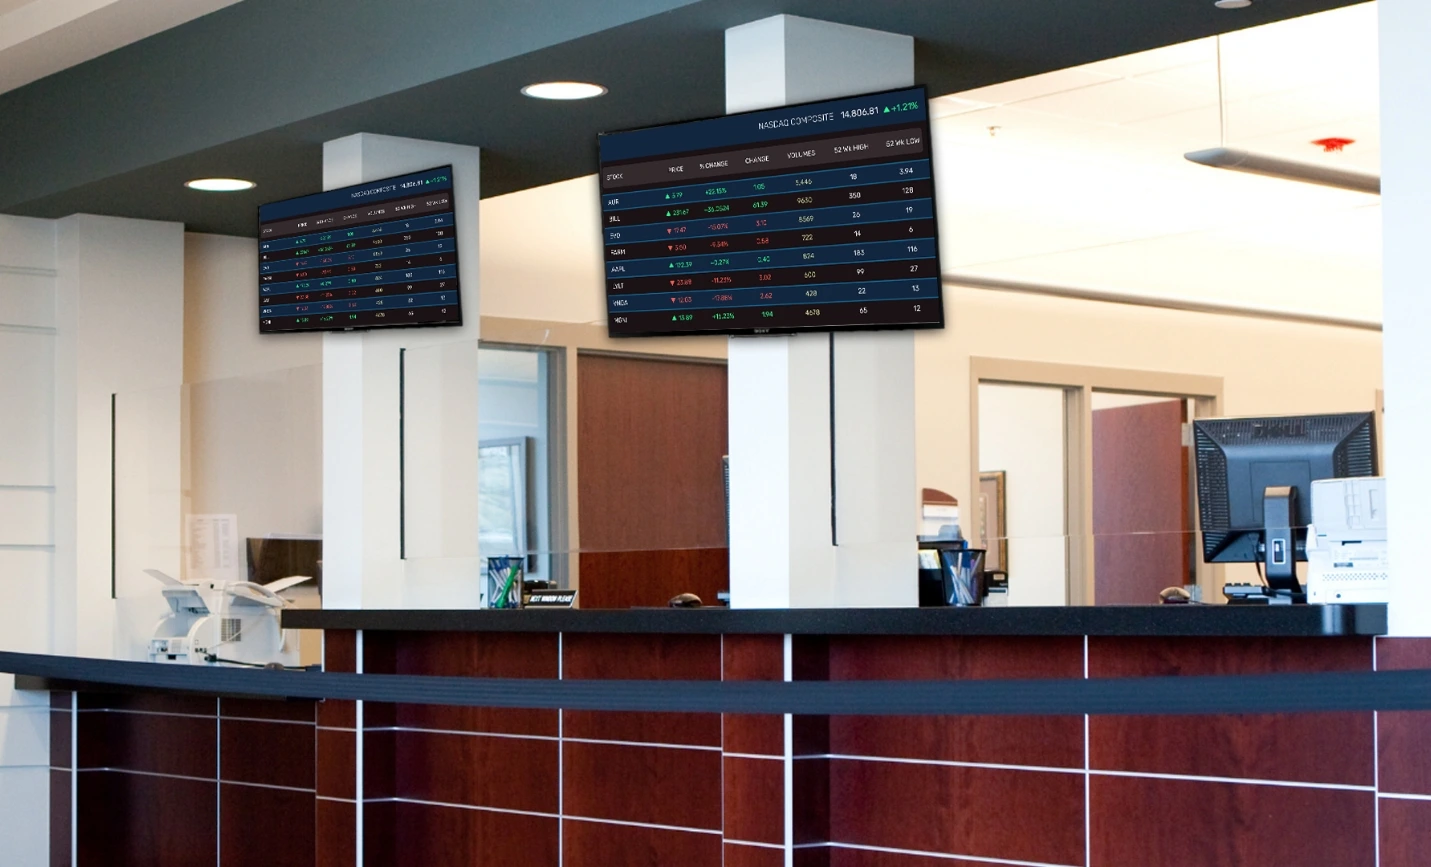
<point x="220" y="185"/>
<point x="563" y="90"/>
<point x="1232" y="4"/>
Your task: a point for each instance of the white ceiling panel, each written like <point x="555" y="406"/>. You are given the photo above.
<point x="1146" y="62"/>
<point x="1038" y="85"/>
<point x="1088" y="186"/>
<point x="1198" y="78"/>
<point x="1084" y="184"/>
<point x="1121" y="101"/>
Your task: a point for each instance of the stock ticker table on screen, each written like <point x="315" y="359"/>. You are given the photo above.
<point x="373" y="255"/>
<point x="816" y="217"/>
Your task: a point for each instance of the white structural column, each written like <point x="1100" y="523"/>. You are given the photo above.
<point x="27" y="348"/>
<point x="1406" y="303"/>
<point x="119" y="369"/>
<point x="784" y="550"/>
<point x="373" y="486"/>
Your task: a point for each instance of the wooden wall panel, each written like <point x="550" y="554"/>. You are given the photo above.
<point x="1013" y="815"/>
<point x="505" y="773"/>
<point x="1140" y="502"/>
<point x="651" y="434"/>
<point x="335" y="833"/>
<point x="60" y="783"/>
<point x="1403" y="736"/>
<point x="145" y="821"/>
<point x="1193" y="823"/>
<point x="149" y="743"/>
<point x="648" y="579"/>
<point x="264" y="827"/>
<point x="650" y="437"/>
<point x="656" y="789"/>
<point x="746" y="855"/>
<point x="1043" y="741"/>
<point x="753" y="657"/>
<point x="60" y="722"/>
<point x="1333" y="748"/>
<point x="649" y="785"/>
<point x="841" y="857"/>
<point x="642" y="657"/>
<point x="1405" y="832"/>
<point x="754" y="792"/>
<point x="267" y="753"/>
<point x="430" y="836"/>
<point x="601" y="844"/>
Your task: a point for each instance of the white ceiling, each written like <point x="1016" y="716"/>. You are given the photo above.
<point x="42" y="37"/>
<point x="1082" y="181"/>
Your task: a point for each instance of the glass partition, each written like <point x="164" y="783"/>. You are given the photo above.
<point x="595" y="471"/>
<point x="214" y="481"/>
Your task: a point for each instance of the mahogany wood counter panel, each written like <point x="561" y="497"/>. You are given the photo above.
<point x="163" y="780"/>
<point x="471" y="785"/>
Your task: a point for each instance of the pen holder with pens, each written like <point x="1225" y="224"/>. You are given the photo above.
<point x="504" y="582"/>
<point x="963" y="575"/>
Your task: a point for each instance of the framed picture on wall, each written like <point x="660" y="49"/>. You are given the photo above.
<point x="992" y="533"/>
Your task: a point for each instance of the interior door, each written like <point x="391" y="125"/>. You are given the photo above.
<point x="651" y="434"/>
<point x="1141" y="516"/>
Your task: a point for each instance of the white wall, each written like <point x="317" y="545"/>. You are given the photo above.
<point x="221" y="315"/>
<point x="1268" y="367"/>
<point x="27" y="361"/>
<point x="1021" y="433"/>
<point x="254" y="402"/>
<point x="525" y="276"/>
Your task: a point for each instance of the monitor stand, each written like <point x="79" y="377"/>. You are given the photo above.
<point x="1279" y="546"/>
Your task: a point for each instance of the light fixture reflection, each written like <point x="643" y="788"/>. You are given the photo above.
<point x="563" y="90"/>
<point x="220" y="185"/>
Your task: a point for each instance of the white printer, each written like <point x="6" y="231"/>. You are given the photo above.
<point x="1346" y="544"/>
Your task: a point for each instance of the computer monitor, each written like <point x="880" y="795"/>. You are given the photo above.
<point x="1254" y="484"/>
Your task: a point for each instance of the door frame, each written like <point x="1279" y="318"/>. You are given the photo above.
<point x="1078" y="383"/>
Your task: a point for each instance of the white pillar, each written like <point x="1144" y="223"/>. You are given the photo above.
<point x="119" y="336"/>
<point x="27" y="354"/>
<point x="1406" y="303"/>
<point x="363" y="483"/>
<point x="784" y="550"/>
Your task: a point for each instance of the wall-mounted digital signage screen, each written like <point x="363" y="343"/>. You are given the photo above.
<point x="814" y="217"/>
<point x="373" y="255"/>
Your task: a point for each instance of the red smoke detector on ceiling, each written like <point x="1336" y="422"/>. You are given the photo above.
<point x="1333" y="145"/>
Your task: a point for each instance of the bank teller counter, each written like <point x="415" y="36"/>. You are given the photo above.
<point x="643" y="737"/>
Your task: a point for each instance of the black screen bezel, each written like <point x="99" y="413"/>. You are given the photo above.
<point x="456" y="252"/>
<point x="810" y="329"/>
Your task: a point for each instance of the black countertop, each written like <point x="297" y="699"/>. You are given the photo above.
<point x="1265" y="621"/>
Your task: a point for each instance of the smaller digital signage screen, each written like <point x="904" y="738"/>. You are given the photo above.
<point x="815" y="217"/>
<point x="381" y="254"/>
